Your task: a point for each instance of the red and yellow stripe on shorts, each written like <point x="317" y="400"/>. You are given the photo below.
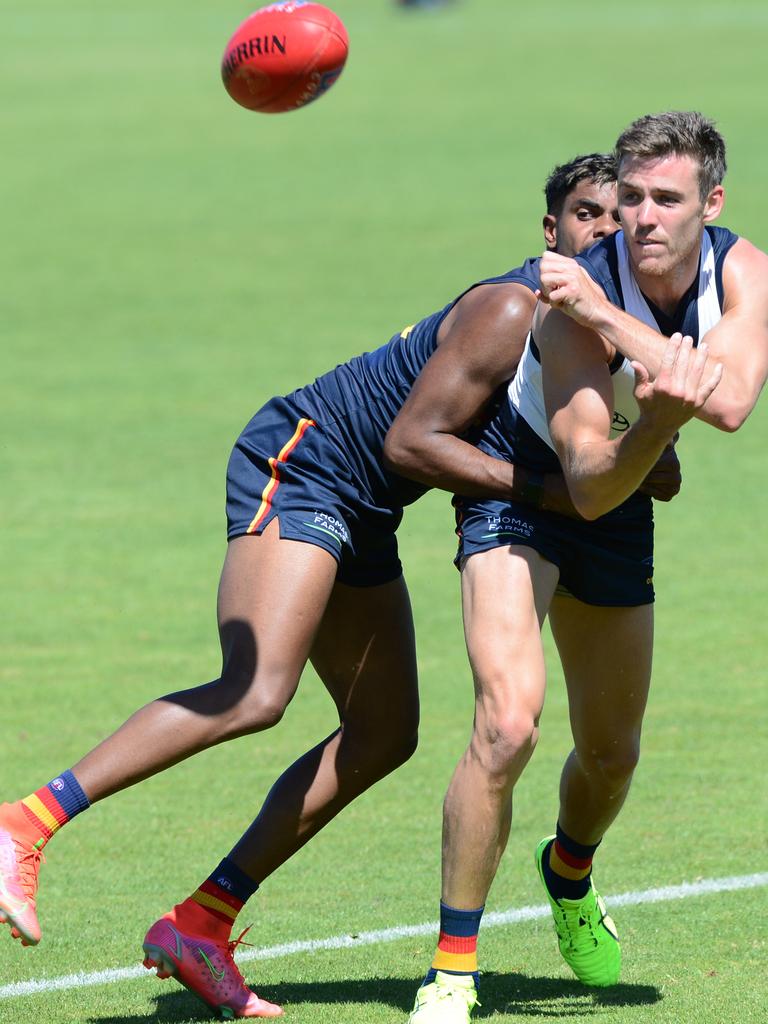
<point x="274" y="481"/>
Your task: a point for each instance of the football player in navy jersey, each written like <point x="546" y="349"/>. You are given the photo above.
<point x="312" y="573"/>
<point x="581" y="205"/>
<point x="312" y="560"/>
<point x="605" y="394"/>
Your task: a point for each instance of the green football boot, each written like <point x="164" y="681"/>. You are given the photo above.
<point x="449" y="999"/>
<point x="585" y="933"/>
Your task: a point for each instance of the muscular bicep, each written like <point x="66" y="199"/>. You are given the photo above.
<point x="578" y="395"/>
<point x="740" y="340"/>
<point x="481" y="343"/>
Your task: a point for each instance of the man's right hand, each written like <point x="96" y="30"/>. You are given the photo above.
<point x="567" y="286"/>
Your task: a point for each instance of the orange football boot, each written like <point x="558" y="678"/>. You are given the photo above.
<point x="19" y="870"/>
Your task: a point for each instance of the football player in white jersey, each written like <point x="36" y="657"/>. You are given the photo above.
<point x="517" y="565"/>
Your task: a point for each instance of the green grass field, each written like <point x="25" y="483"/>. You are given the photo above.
<point x="169" y="262"/>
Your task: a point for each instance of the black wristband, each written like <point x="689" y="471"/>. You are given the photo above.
<point x="532" y="489"/>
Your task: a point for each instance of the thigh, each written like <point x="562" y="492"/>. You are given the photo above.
<point x="365" y="654"/>
<point x="272" y="596"/>
<point x="506" y="593"/>
<point x="606" y="654"/>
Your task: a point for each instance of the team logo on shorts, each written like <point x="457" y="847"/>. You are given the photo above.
<point x="330" y="525"/>
<point x="508" y="526"/>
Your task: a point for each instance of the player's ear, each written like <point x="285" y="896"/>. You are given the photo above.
<point x="549" y="223"/>
<point x="713" y="204"/>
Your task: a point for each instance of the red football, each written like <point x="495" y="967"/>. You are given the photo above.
<point x="284" y="56"/>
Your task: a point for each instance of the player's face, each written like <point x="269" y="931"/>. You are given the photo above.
<point x="662" y="213"/>
<point x="589" y="213"/>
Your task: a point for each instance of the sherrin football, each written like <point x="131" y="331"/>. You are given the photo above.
<point x="284" y="55"/>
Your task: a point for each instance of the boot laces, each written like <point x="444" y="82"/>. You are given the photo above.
<point x="580" y="924"/>
<point x="28" y="861"/>
<point x="232" y="946"/>
<point x="466" y="996"/>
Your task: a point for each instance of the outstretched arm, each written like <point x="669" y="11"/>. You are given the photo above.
<point x="739" y="341"/>
<point x="602" y="472"/>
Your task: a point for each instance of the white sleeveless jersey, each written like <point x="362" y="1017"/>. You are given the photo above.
<point x="525" y="392"/>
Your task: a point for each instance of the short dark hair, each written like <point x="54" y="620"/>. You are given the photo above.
<point x="597" y="167"/>
<point x="679" y="133"/>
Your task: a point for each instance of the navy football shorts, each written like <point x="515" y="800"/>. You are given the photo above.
<point x="285" y="466"/>
<point x="608" y="561"/>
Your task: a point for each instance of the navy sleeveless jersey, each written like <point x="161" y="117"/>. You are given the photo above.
<point x="357" y="401"/>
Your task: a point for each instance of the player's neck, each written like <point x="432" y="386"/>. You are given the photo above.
<point x="667" y="289"/>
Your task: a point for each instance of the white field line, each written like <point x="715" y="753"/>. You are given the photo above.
<point x="664" y="894"/>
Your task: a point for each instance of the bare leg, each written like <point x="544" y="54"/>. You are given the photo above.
<point x="365" y="654"/>
<point x="606" y="655"/>
<point x="271" y="600"/>
<point x="506" y="593"/>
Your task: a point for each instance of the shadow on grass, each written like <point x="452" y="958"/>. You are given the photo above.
<point x="516" y="995"/>
<point x="521" y="995"/>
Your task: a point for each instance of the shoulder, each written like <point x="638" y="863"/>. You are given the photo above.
<point x="744" y="267"/>
<point x="602" y="264"/>
<point x="527" y="275"/>
<point x="500" y="304"/>
<point x="599" y="258"/>
<point x="722" y="239"/>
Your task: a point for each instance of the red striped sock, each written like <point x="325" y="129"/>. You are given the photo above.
<point x="52" y="806"/>
<point x="215" y="905"/>
<point x="218" y="902"/>
<point x="456" y="951"/>
<point x="568" y="866"/>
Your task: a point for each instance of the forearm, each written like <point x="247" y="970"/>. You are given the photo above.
<point x="602" y="474"/>
<point x="728" y="406"/>
<point x="451" y="464"/>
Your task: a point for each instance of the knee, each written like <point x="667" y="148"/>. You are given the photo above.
<point x="369" y="755"/>
<point x="395" y="746"/>
<point x="394" y="752"/>
<point x="503" y="742"/>
<point x="260" y="712"/>
<point x="249" y="703"/>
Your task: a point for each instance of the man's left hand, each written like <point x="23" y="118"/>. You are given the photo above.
<point x="665" y="479"/>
